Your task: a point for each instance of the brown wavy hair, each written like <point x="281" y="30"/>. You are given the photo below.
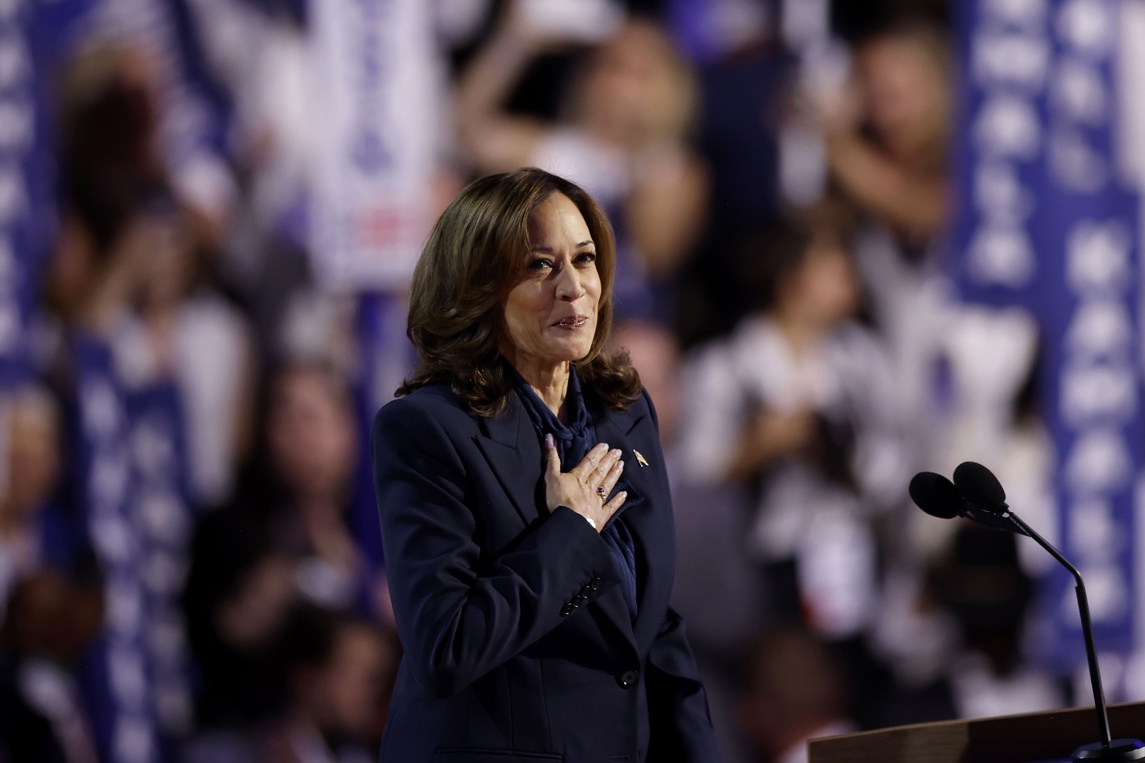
<point x="473" y="257"/>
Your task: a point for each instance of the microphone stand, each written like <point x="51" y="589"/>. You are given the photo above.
<point x="1107" y="750"/>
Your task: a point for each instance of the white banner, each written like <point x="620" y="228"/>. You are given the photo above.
<point x="378" y="119"/>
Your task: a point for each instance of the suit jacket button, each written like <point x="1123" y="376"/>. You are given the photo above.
<point x="594" y="584"/>
<point x="580" y="597"/>
<point x="566" y="610"/>
<point x="627" y="678"/>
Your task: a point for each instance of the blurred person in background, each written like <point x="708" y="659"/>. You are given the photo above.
<point x="108" y="112"/>
<point x="800" y="409"/>
<point x="51" y="620"/>
<point x="51" y="604"/>
<point x="981" y="582"/>
<point x="262" y="55"/>
<point x="107" y="117"/>
<point x="297" y="487"/>
<point x="134" y="263"/>
<point x="622" y="134"/>
<point x="340" y="671"/>
<point x="240" y="593"/>
<point x="793" y="689"/>
<point x="886" y="139"/>
<point x="333" y="675"/>
<point x="286" y="539"/>
<point x="977" y="591"/>
<point x="745" y="72"/>
<point x="307" y="488"/>
<point x="33" y="531"/>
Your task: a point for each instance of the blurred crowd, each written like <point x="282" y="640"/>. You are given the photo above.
<point x="189" y="561"/>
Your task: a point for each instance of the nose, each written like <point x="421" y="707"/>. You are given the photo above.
<point x="569" y="285"/>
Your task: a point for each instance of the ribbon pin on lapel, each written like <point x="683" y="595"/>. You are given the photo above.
<point x="639" y="458"/>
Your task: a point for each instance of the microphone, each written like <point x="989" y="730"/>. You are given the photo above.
<point x="976" y="494"/>
<point x="939" y="497"/>
<point x="985" y="499"/>
<point x="980" y="487"/>
<point x="936" y="495"/>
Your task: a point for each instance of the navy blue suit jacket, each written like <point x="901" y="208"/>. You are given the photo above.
<point x="519" y="647"/>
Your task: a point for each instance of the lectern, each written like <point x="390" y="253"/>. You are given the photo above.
<point x="1031" y="738"/>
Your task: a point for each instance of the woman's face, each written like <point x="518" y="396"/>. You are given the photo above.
<point x="310" y="432"/>
<point x="33" y="458"/>
<point x="550" y="312"/>
<point x="905" y="92"/>
<point x="351" y="688"/>
<point x="825" y="289"/>
<point x="632" y="91"/>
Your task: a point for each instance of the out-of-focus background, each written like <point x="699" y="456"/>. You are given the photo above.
<point x="856" y="241"/>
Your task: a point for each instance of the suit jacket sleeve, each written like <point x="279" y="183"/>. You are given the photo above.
<point x="463" y="610"/>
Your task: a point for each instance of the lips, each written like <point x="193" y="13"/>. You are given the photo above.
<point x="572" y="322"/>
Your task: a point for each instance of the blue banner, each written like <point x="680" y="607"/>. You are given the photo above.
<point x="163" y="521"/>
<point x="133" y="486"/>
<point x="26" y="211"/>
<point x="999" y="148"/>
<point x="1090" y="313"/>
<point x="1045" y="221"/>
<point x="116" y="680"/>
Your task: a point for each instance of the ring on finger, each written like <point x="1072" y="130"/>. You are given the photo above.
<point x="601" y="492"/>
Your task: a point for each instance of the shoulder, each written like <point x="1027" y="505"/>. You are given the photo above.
<point x="431" y="398"/>
<point x="639" y="411"/>
<point x="428" y="431"/>
<point x="430" y="408"/>
<point x="643" y="406"/>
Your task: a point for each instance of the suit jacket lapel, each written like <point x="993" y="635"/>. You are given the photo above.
<point x="513" y="450"/>
<point x="619" y="430"/>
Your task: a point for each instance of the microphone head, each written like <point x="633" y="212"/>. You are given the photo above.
<point x="980" y="487"/>
<point x="935" y="495"/>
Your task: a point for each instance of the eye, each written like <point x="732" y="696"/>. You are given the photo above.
<point x="586" y="258"/>
<point x="540" y="263"/>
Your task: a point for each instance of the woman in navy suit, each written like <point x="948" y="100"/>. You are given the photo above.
<point x="525" y="511"/>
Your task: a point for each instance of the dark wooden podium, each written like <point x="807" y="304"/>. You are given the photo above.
<point x="1052" y="735"/>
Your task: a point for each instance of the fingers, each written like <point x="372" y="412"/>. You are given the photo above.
<point x="591" y="461"/>
<point x="552" y="458"/>
<point x="603" y="468"/>
<point x="614" y="504"/>
<point x="612" y="476"/>
<point x="587" y="487"/>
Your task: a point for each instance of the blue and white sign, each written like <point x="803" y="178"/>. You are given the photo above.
<point x="118" y="685"/>
<point x="1046" y="221"/>
<point x="1004" y="48"/>
<point x="196" y="118"/>
<point x="133" y="486"/>
<point x="379" y="122"/>
<point x="26" y="216"/>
